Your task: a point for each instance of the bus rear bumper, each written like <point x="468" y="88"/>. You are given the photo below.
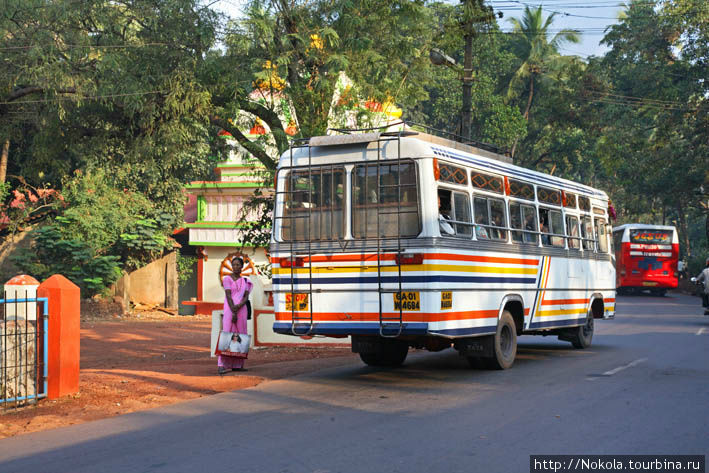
<point x="344" y="328"/>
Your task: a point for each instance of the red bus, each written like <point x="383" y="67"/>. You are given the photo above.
<point x="646" y="257"/>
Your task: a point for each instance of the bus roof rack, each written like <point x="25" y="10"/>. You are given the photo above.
<point x="411" y="131"/>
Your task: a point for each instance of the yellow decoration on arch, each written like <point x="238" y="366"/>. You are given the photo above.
<point x="391" y="110"/>
<point x="316" y="41"/>
<point x="274" y="81"/>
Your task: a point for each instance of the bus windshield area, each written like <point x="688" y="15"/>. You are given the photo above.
<point x="651" y="236"/>
<point x="383" y="197"/>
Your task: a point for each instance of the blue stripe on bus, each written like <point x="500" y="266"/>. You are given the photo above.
<point x="367" y="328"/>
<point x="519" y="173"/>
<point x="488" y="329"/>
<point x="405" y="279"/>
<point x="558" y="323"/>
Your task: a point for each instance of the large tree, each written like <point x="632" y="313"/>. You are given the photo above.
<point x="296" y="50"/>
<point x="655" y="111"/>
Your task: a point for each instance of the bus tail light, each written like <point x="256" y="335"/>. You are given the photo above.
<point x="436" y="169"/>
<point x="297" y="262"/>
<point x="412" y="258"/>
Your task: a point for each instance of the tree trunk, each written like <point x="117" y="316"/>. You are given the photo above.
<point x="3" y="160"/>
<point x="529" y="100"/>
<point x="683" y="230"/>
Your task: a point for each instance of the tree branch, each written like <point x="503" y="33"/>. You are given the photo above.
<point x="249" y="145"/>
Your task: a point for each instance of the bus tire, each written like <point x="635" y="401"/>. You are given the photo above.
<point x="389" y="353"/>
<point x="583" y="335"/>
<point x="658" y="292"/>
<point x="505" y="344"/>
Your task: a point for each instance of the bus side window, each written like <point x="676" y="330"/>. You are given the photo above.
<point x="482" y="219"/>
<point x="572" y="230"/>
<point x="617" y="238"/>
<point x="587" y="233"/>
<point x="544" y="226"/>
<point x="602" y="236"/>
<point x="462" y="215"/>
<point x="497" y="217"/>
<point x="523" y="218"/>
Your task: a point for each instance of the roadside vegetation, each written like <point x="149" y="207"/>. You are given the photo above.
<point x="108" y="108"/>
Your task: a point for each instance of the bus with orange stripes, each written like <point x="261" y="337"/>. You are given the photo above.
<point x="405" y="239"/>
<point x="646" y="258"/>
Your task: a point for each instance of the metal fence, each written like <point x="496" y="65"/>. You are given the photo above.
<point x="23" y="351"/>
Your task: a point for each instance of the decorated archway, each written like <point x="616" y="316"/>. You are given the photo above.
<point x="225" y="267"/>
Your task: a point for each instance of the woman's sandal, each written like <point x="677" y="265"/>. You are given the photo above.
<point x="223" y="371"/>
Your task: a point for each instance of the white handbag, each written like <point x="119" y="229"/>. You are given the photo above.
<point x="233" y="344"/>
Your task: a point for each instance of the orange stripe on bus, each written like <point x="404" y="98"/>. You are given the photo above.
<point x="564" y="301"/>
<point x="481" y="259"/>
<point x="374" y="316"/>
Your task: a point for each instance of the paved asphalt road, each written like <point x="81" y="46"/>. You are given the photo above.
<point x="642" y="388"/>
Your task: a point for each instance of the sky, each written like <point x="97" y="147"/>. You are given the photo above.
<point x="589" y="17"/>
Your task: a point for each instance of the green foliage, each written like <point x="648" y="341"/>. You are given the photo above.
<point x="99" y="212"/>
<point x="52" y="253"/>
<point x="185" y="267"/>
<point x="146" y="240"/>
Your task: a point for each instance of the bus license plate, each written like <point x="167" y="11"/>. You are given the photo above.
<point x="649" y="283"/>
<point x="301" y="301"/>
<point x="407" y="301"/>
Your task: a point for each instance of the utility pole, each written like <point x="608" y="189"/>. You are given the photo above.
<point x="471" y="15"/>
<point x="467" y="111"/>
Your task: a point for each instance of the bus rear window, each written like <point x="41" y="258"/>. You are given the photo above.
<point x="313" y="207"/>
<point x="385" y="196"/>
<point x="651" y="236"/>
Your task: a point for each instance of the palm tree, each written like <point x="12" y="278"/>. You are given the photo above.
<point x="538" y="57"/>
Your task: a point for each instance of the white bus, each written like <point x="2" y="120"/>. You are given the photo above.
<point x="405" y="239"/>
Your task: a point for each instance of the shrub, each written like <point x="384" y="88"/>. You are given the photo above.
<point x="76" y="259"/>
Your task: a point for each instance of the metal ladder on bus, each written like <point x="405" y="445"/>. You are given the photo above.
<point x="390" y="326"/>
<point x="297" y="320"/>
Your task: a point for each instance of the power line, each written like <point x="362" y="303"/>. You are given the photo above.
<point x="91" y="46"/>
<point x="83" y="97"/>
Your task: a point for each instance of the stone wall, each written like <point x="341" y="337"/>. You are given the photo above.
<point x="153" y="284"/>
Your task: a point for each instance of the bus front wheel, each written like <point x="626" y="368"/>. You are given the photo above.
<point x="505" y="344"/>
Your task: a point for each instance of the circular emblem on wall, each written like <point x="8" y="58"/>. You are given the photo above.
<point x="226" y="269"/>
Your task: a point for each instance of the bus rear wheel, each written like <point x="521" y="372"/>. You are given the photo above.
<point x="504" y="344"/>
<point x="583" y="335"/>
<point x="387" y="353"/>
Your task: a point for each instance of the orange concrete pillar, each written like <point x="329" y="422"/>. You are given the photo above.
<point x="63" y="332"/>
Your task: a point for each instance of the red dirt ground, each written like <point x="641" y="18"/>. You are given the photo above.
<point x="136" y="362"/>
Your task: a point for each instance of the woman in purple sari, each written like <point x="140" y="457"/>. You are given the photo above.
<point x="236" y="289"/>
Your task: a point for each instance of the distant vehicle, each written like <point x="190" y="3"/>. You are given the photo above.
<point x="646" y="258"/>
<point x="404" y="239"/>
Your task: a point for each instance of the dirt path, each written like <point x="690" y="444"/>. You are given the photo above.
<point x="141" y="362"/>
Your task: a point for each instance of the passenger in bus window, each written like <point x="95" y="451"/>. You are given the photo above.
<point x="530" y="227"/>
<point x="444" y="218"/>
<point x="556" y="229"/>
<point x="544" y="226"/>
<point x="480" y="230"/>
<point x="572" y="229"/>
<point x="498" y="233"/>
<point x="497" y="209"/>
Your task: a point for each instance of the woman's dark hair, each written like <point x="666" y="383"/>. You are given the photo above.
<point x="239" y="259"/>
